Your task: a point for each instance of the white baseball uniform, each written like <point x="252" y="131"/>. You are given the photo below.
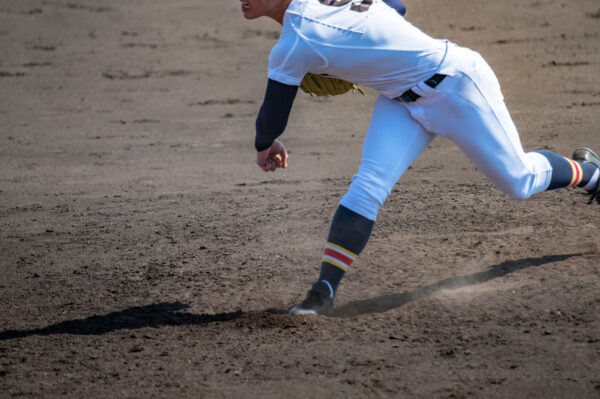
<point x="369" y="44"/>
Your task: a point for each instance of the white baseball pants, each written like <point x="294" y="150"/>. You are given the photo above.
<point x="467" y="107"/>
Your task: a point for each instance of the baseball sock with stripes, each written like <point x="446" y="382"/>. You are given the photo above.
<point x="348" y="235"/>
<point x="569" y="173"/>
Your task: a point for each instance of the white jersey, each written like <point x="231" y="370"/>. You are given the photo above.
<point x="370" y="45"/>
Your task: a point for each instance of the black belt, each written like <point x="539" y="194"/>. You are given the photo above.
<point x="410" y="96"/>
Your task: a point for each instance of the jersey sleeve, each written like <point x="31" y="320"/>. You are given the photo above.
<point x="291" y="59"/>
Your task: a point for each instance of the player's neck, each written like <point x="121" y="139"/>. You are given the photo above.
<point x="279" y="11"/>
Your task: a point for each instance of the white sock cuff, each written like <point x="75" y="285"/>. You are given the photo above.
<point x="330" y="287"/>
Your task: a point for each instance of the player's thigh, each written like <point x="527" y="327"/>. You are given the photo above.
<point x="475" y="117"/>
<point x="393" y="141"/>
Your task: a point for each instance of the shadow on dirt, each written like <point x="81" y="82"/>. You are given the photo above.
<point x="169" y="313"/>
<point x="387" y="302"/>
<point x="156" y="315"/>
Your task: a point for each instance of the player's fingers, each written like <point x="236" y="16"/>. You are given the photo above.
<point x="278" y="160"/>
<point x="284" y="158"/>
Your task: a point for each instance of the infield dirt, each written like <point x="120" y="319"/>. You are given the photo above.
<point x="143" y="254"/>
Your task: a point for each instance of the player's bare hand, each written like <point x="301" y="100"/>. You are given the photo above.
<point x="273" y="157"/>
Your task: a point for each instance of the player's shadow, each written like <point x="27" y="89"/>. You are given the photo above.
<point x="387" y="302"/>
<point x="170" y="313"/>
<point x="155" y="315"/>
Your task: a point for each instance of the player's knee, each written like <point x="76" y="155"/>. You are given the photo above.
<point x="364" y="190"/>
<point x="365" y="196"/>
<point x="371" y="186"/>
<point x="523" y="178"/>
<point x="520" y="189"/>
<point x="518" y="195"/>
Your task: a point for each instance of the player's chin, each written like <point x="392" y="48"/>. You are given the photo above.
<point x="249" y="15"/>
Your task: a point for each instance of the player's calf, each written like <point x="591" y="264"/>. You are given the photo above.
<point x="348" y="235"/>
<point x="583" y="170"/>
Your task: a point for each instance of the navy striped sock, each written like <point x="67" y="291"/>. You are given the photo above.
<point x="348" y="235"/>
<point x="568" y="173"/>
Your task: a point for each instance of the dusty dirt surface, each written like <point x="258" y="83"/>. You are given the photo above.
<point x="143" y="254"/>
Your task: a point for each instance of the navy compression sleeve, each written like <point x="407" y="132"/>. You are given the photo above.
<point x="396" y="5"/>
<point x="274" y="112"/>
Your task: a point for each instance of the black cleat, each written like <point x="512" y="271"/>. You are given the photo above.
<point x="318" y="301"/>
<point x="587" y="155"/>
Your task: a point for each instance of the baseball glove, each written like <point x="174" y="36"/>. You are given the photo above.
<point x="320" y="85"/>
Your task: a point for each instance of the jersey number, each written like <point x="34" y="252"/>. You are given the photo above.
<point x="360" y="7"/>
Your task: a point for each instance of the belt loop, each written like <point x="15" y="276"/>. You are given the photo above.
<point x="410" y="96"/>
<point x="435" y="80"/>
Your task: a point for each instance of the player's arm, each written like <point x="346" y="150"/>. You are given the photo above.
<point x="270" y="124"/>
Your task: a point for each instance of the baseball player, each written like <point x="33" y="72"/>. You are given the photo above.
<point x="427" y="87"/>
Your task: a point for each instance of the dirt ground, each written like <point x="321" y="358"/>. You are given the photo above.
<point x="143" y="254"/>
